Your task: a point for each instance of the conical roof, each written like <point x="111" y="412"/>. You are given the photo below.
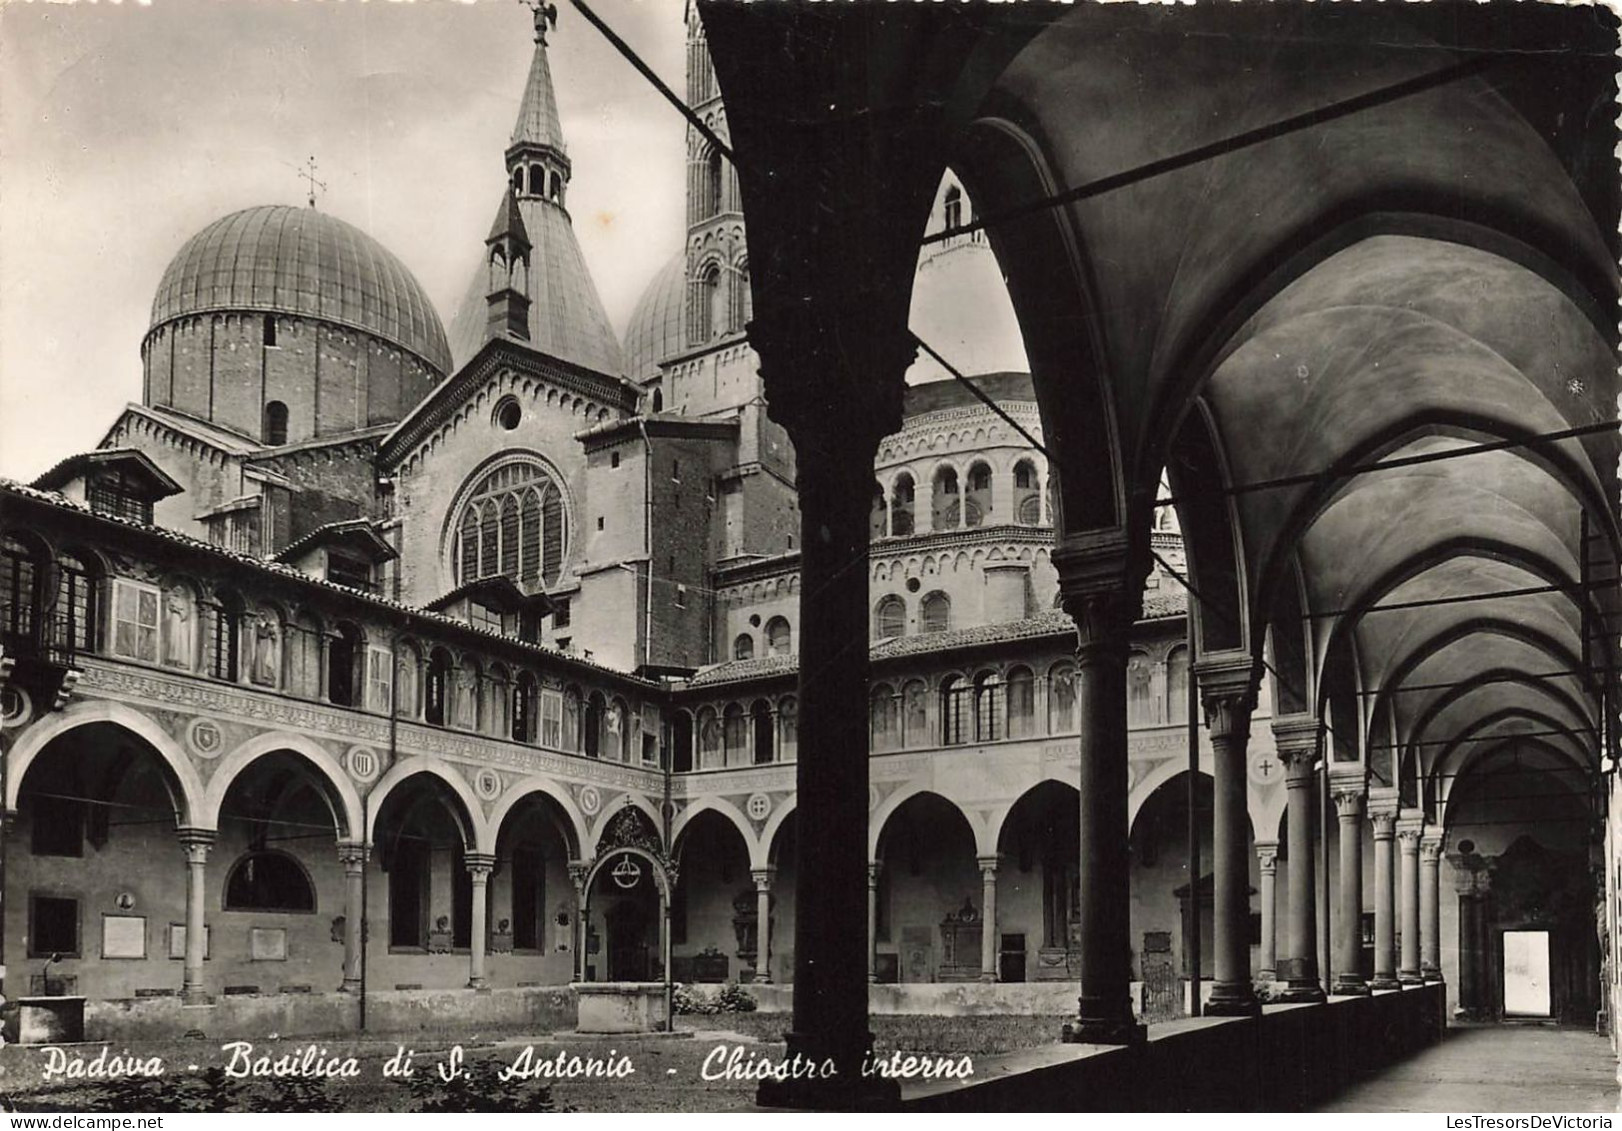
<point x="538" y="114"/>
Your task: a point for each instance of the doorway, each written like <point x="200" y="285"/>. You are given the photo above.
<point x="1526" y="974"/>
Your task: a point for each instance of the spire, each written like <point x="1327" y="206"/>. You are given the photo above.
<point x="508" y="256"/>
<point x="537" y="123"/>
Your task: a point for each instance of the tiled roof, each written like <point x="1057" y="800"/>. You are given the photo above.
<point x="288" y="573"/>
<point x="1158" y="604"/>
<point x="285" y="260"/>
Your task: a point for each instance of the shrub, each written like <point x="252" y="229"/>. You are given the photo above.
<point x="732" y="998"/>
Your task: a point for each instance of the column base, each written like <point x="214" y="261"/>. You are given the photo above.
<point x="989" y="979"/>
<point x="1349" y="985"/>
<point x="479" y="985"/>
<point x="1410" y="978"/>
<point x="1266" y="975"/>
<point x="1302" y="993"/>
<point x="1232" y="999"/>
<point x="1431" y="973"/>
<point x="1384" y="982"/>
<point x="350" y="986"/>
<point x="1104" y="1031"/>
<point x="194" y="996"/>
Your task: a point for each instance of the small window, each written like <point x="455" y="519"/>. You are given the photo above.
<point x="560" y="614"/>
<point x="268" y="881"/>
<point x="658" y="401"/>
<point x="613" y="459"/>
<point x="675" y="470"/>
<point x="508" y="414"/>
<point x="599" y="522"/>
<point x="53" y="926"/>
<point x="58" y="826"/>
<point x="936" y="613"/>
<point x="270" y="330"/>
<point x="353" y="572"/>
<point x="275" y="431"/>
<point x="779" y="638"/>
<point x="743" y="648"/>
<point x="681" y="597"/>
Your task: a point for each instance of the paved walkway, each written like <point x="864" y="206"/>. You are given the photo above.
<point x="1502" y="1068"/>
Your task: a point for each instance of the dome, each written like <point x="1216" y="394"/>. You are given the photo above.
<point x="298" y="261"/>
<point x="654" y="332"/>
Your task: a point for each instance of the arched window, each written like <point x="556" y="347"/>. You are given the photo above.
<point x="779" y="638"/>
<point x="713" y="301"/>
<point x="617" y="732"/>
<point x="268" y="332"/>
<point x="953" y="207"/>
<point x="935" y="613"/>
<point x="762" y="725"/>
<point x="21" y="566"/>
<point x="890" y="618"/>
<point x="572" y="726"/>
<point x="1021" y="703"/>
<point x="1140" y="707"/>
<point x="77" y="616"/>
<point x="224" y="638"/>
<point x="915" y="714"/>
<point x="526" y="703"/>
<point x="658" y="400"/>
<point x="266" y="880"/>
<point x="735" y="729"/>
<point x="302" y="650"/>
<point x="275" y="428"/>
<point x="714" y="185"/>
<point x="876" y="524"/>
<point x="901" y="506"/>
<point x="946" y="505"/>
<point x="496" y="710"/>
<point x="957" y="711"/>
<point x="591" y="725"/>
<point x="1027" y="494"/>
<point x="437" y="688"/>
<point x="537" y="180"/>
<point x="788" y="728"/>
<point x="709" y="740"/>
<point x="977" y="502"/>
<point x="743" y="648"/>
<point x="883" y="717"/>
<point x="1062" y="699"/>
<point x="512" y="525"/>
<point x="1177" y="685"/>
<point x="743" y="299"/>
<point x="990" y="708"/>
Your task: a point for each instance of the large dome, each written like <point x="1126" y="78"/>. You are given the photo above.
<point x="654" y="333"/>
<point x="298" y="261"/>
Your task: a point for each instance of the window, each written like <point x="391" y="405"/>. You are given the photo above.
<point x="977" y="503"/>
<point x="270" y="330"/>
<point x="512" y="524"/>
<point x="1062" y="699"/>
<point x="953" y="208"/>
<point x="956" y="711"/>
<point x="1027" y="495"/>
<point x="936" y="613"/>
<point x="53" y="926"/>
<point x="743" y="648"/>
<point x="268" y="881"/>
<point x="109" y="492"/>
<point x="379" y="679"/>
<point x="353" y="572"/>
<point x="613" y="459"/>
<point x="346" y="659"/>
<point x="224" y="638"/>
<point x="509" y="413"/>
<point x="1177" y="686"/>
<point x="19" y="576"/>
<point x="742" y="303"/>
<point x="1021" y="703"/>
<point x="779" y="638"/>
<point x="437" y="688"/>
<point x="681" y="742"/>
<point x="890" y="618"/>
<point x="735" y="732"/>
<point x="946" y="509"/>
<point x="483" y="616"/>
<point x="560" y="614"/>
<point x="135" y="620"/>
<point x="275" y="424"/>
<point x="717" y="321"/>
<point x="57" y="826"/>
<point x="74" y="621"/>
<point x="591" y="725"/>
<point x="901" y="504"/>
<point x="763" y="725"/>
<point x="303" y="652"/>
<point x="990" y="708"/>
<point x="552" y="719"/>
<point x="714" y="201"/>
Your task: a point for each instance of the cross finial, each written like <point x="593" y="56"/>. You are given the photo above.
<point x="307" y="172"/>
<point x="546" y="17"/>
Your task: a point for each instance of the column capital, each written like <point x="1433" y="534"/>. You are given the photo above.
<point x="1385" y="825"/>
<point x="874" y="867"/>
<point x="1227" y="682"/>
<point x="196" y="843"/>
<point x="1430" y="849"/>
<point x="1410" y="831"/>
<point x="1295" y="738"/>
<point x="578" y="870"/>
<point x="763" y="878"/>
<point x="831" y="371"/>
<point x="353" y="856"/>
<point x="1267" y="857"/>
<point x="988" y="865"/>
<point x="1348" y="804"/>
<point x="479" y="865"/>
<point x="1100" y="588"/>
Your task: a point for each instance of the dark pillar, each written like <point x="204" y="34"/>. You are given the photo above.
<point x="1475" y="1001"/>
<point x="1296" y="738"/>
<point x="1103" y="595"/>
<point x="1227" y="687"/>
<point x="834" y="379"/>
<point x="1349" y="927"/>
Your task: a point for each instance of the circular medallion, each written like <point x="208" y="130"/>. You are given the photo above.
<point x="590" y="800"/>
<point x="1265" y="768"/>
<point x="363" y="763"/>
<point x="124" y="901"/>
<point x="487" y="784"/>
<point x="759" y="807"/>
<point x="205" y="738"/>
<point x="627" y="873"/>
<point x="15" y="706"/>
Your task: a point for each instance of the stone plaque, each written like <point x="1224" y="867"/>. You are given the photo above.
<point x="267" y="944"/>
<point x="123" y="936"/>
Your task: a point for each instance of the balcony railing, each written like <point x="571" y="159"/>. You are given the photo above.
<point x="49" y="638"/>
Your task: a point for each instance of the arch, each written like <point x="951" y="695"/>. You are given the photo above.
<point x="513" y="510"/>
<point x="340" y="792"/>
<point x="743" y="648"/>
<point x="725" y="810"/>
<point x="274" y="426"/>
<point x="655" y="822"/>
<point x="661" y="876"/>
<point x="935" y="612"/>
<point x="945" y="499"/>
<point x="475" y="831"/>
<point x="538" y="786"/>
<point x="779" y="637"/>
<point x="766" y="843"/>
<point x="1450" y="761"/>
<point x="890" y="617"/>
<point x="877" y="819"/>
<point x="41" y="734"/>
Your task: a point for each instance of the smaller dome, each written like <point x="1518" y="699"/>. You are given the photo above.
<point x="654" y="332"/>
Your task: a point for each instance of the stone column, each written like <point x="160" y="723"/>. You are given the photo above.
<point x="577" y="876"/>
<point x="988" y="918"/>
<point x="1296" y="738"/>
<point x="873" y="920"/>
<point x="1470" y="882"/>
<point x="834" y="374"/>
<point x="353" y="858"/>
<point x="1227" y="689"/>
<point x="195" y="843"/>
<point x="1103" y="594"/>
<point x="763" y="923"/>
<point x="1408" y="833"/>
<point x="1430" y="906"/>
<point x="1385" y="927"/>
<point x="1349" y="928"/>
<point x="479" y="867"/>
<point x="1267" y="862"/>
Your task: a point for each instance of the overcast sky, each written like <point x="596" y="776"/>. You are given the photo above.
<point x="124" y="129"/>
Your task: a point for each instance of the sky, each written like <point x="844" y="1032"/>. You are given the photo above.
<point x="126" y="128"/>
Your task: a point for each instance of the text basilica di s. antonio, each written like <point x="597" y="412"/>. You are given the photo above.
<point x="1057" y="419"/>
